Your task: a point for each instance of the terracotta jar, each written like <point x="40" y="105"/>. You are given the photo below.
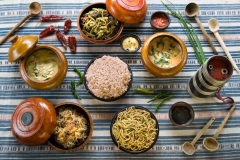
<point x="127" y="11"/>
<point x="33" y="121"/>
<point x="171" y="47"/>
<point x="25" y="46"/>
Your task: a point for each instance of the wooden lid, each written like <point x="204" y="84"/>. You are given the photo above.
<point x="132" y="5"/>
<point x="21" y="46"/>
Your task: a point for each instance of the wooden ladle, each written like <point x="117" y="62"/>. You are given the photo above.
<point x="34" y="9"/>
<point x="192" y="10"/>
<point x="214" y="27"/>
<point x="188" y="147"/>
<point x="210" y="143"/>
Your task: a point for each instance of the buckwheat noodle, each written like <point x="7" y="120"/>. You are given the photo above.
<point x="134" y="129"/>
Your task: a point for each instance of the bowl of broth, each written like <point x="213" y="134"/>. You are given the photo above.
<point x="164" y="54"/>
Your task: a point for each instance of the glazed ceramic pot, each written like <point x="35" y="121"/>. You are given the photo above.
<point x="164" y="54"/>
<point x="33" y="70"/>
<point x="127" y="11"/>
<point x="85" y="10"/>
<point x="33" y="121"/>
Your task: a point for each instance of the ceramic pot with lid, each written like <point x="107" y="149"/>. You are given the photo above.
<point x="42" y="67"/>
<point x="127" y="11"/>
<point x="33" y="121"/>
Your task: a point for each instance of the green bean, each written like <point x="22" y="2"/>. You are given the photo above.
<point x="158" y="96"/>
<point x="144" y="90"/>
<point x="73" y="88"/>
<point x="80" y="75"/>
<point x="161" y="102"/>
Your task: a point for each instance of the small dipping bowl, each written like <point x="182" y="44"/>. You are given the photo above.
<point x="160" y="20"/>
<point x="181" y="114"/>
<point x="130" y="43"/>
<point x="107" y="78"/>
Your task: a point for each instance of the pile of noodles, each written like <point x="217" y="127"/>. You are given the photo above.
<point x="134" y="129"/>
<point x="71" y="128"/>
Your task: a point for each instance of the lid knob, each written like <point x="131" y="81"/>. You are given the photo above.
<point x="13" y="39"/>
<point x="27" y="118"/>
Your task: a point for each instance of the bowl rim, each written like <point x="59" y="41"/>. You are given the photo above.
<point x="173" y="37"/>
<point x="79" y="26"/>
<point x="156" y="13"/>
<point x="152" y="116"/>
<point x="131" y="35"/>
<point x="89" y="119"/>
<point x="110" y="99"/>
<point x="185" y="104"/>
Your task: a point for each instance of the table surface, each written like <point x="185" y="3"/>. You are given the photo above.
<point x="168" y="146"/>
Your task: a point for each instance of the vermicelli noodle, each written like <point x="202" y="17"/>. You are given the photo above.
<point x="134" y="129"/>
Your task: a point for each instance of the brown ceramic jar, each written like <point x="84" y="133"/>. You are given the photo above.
<point x="23" y="47"/>
<point x="127" y="11"/>
<point x="163" y="72"/>
<point x="33" y="121"/>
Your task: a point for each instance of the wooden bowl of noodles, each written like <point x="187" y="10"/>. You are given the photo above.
<point x="74" y="128"/>
<point x="139" y="129"/>
<point x="102" y="27"/>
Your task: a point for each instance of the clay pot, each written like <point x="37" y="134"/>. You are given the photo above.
<point x="157" y="70"/>
<point x="127" y="11"/>
<point x="23" y="47"/>
<point x="33" y="121"/>
<point x="80" y="26"/>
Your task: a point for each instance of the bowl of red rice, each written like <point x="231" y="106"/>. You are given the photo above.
<point x="107" y="78"/>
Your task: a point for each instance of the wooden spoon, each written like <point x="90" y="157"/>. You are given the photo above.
<point x="34" y="9"/>
<point x="192" y="10"/>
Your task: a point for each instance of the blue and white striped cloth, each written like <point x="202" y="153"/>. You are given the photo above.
<point x="168" y="146"/>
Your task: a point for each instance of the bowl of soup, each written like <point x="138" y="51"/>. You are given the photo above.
<point x="164" y="54"/>
<point x="42" y="67"/>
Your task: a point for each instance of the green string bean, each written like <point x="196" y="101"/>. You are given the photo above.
<point x="147" y="91"/>
<point x="158" y="96"/>
<point x="73" y="88"/>
<point x="80" y="75"/>
<point x="161" y="102"/>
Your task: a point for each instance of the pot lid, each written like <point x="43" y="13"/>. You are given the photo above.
<point x="21" y="46"/>
<point x="132" y="5"/>
<point x="33" y="121"/>
<point x="127" y="11"/>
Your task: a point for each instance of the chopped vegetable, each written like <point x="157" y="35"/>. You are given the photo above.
<point x="191" y="34"/>
<point x="144" y="90"/>
<point x="99" y="24"/>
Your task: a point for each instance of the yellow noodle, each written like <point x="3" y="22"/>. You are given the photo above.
<point x="134" y="129"/>
<point x="71" y="127"/>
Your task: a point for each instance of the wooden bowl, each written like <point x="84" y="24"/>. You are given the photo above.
<point x="127" y="11"/>
<point x="25" y="47"/>
<point x="33" y="121"/>
<point x="164" y="54"/>
<point x="81" y="143"/>
<point x="80" y="26"/>
<point x="138" y="122"/>
<point x="181" y="114"/>
<point x="114" y="98"/>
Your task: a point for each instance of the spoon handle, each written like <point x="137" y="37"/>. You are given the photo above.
<point x="224" y="122"/>
<point x="206" y="35"/>
<point x="226" y="50"/>
<point x="204" y="129"/>
<point x="14" y="28"/>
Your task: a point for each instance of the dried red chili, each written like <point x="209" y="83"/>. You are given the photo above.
<point x="72" y="43"/>
<point x="51" y="18"/>
<point x="67" y="25"/>
<point x="160" y="20"/>
<point x="47" y="31"/>
<point x="61" y="38"/>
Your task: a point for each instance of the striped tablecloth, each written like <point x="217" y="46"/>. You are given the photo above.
<point x="168" y="146"/>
